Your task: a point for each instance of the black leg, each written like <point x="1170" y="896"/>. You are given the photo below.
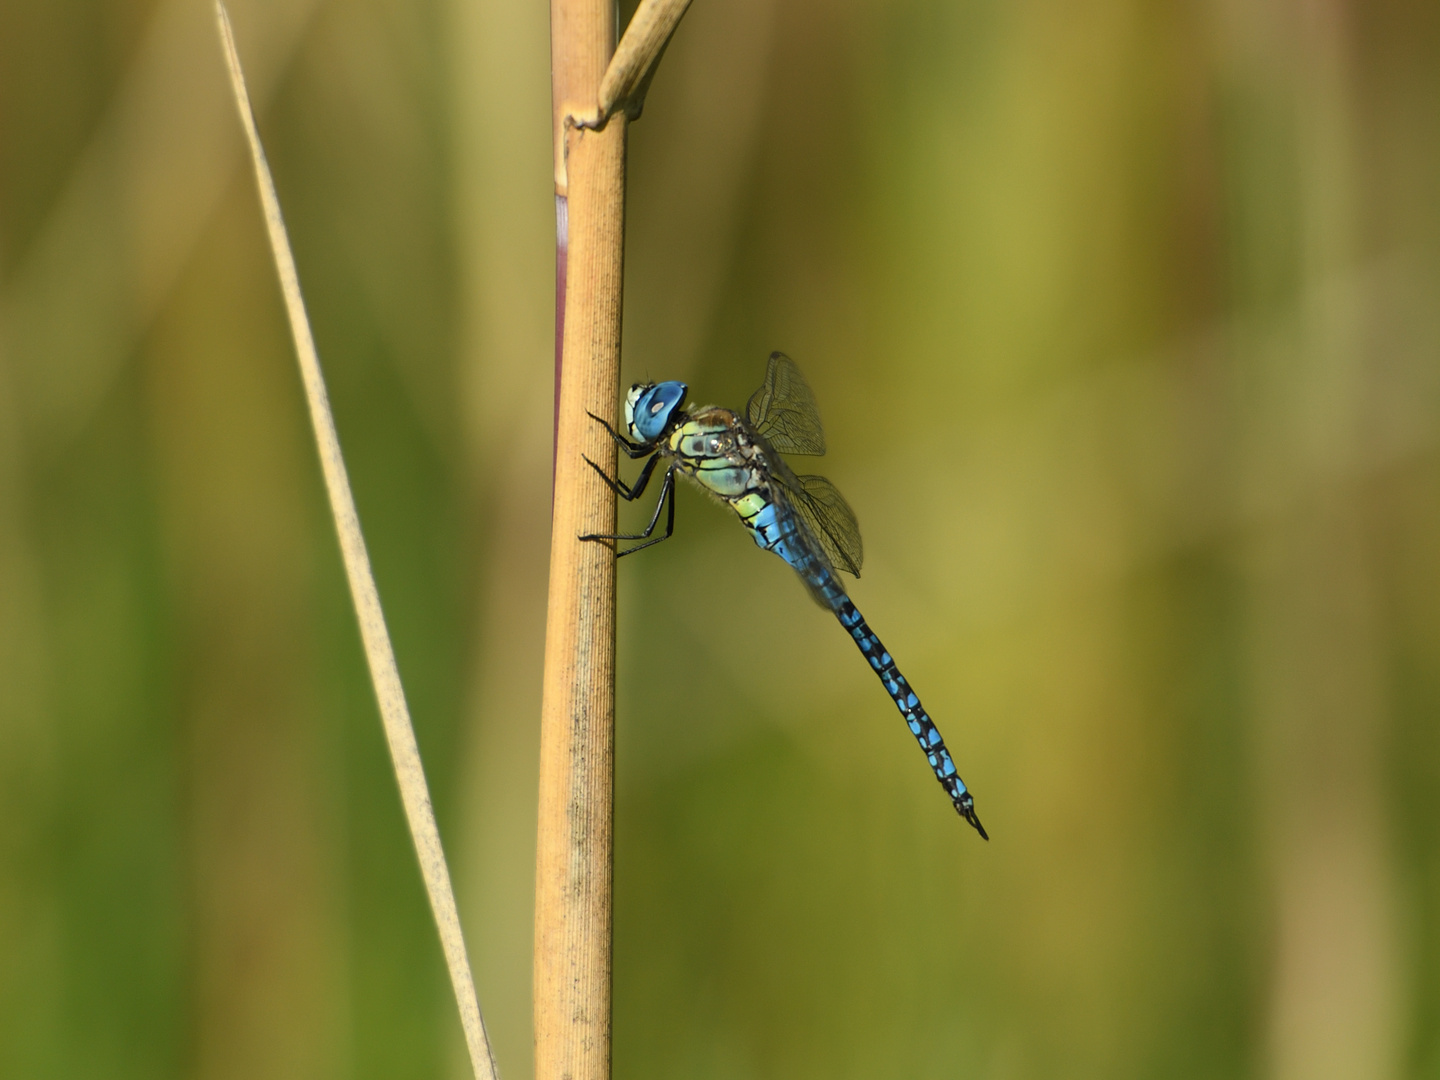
<point x="635" y="450"/>
<point x="669" y="521"/>
<point x="667" y="490"/>
<point x="629" y="494"/>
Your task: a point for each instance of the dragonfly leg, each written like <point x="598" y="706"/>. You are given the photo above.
<point x="629" y="494"/>
<point x="635" y="450"/>
<point x="667" y="491"/>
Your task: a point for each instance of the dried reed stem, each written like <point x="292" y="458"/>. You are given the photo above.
<point x="577" y="728"/>
<point x="404" y="753"/>
<point x="628" y="76"/>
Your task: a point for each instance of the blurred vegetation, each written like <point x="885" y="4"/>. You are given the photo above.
<point x="1122" y="317"/>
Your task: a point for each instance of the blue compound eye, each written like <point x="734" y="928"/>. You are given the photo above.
<point x="653" y="408"/>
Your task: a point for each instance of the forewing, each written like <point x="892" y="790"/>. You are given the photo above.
<point x="783" y="410"/>
<point x="830" y="519"/>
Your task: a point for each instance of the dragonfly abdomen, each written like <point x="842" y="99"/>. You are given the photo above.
<point x="906" y="700"/>
<point x="778" y="531"/>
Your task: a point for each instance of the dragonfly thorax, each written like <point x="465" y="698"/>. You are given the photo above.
<point x="713" y="448"/>
<point x="649" y="408"/>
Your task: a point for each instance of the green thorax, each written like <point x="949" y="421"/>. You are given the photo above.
<point x="714" y="447"/>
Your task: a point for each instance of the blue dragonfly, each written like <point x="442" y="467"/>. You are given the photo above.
<point x="803" y="519"/>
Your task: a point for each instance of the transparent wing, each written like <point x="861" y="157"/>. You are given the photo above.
<point x="783" y="410"/>
<point x="829" y="519"/>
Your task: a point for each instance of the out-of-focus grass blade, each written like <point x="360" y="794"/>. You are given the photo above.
<point x="380" y="656"/>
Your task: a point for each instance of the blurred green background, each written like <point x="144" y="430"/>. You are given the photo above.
<point x="1123" y="320"/>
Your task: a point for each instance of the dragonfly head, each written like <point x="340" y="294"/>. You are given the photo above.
<point x="649" y="406"/>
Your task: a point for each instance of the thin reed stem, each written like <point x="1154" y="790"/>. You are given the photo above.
<point x="379" y="655"/>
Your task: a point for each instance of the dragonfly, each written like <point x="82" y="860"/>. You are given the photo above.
<point x="803" y="519"/>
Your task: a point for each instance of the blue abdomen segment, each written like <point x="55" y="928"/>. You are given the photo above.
<point x="776" y="531"/>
